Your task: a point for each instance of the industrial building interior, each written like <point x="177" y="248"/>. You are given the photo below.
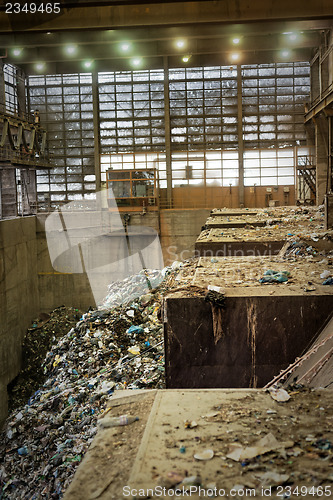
<point x="166" y="249"/>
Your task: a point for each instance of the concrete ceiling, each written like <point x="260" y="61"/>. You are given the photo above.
<point x="97" y="29"/>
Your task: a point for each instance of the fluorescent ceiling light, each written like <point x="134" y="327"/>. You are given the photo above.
<point x="71" y="49"/>
<point x="136" y="61"/>
<point x="180" y="44"/>
<point x="40" y="66"/>
<point x="235" y="56"/>
<point x="125" y="46"/>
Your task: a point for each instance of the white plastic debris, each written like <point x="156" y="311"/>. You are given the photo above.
<point x="204" y="455"/>
<point x="279" y="395"/>
<point x="214" y="288"/>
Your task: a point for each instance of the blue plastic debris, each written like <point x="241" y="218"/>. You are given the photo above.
<point x="135" y="329"/>
<point x="23" y="451"/>
<point x="274" y="276"/>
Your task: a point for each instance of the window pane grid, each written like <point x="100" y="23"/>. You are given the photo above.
<point x="66" y="110"/>
<point x="203" y="115"/>
<point x="273" y="102"/>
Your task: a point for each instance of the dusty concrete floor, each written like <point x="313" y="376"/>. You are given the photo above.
<point x="158" y="451"/>
<point x="240" y="276"/>
<point x="269" y="233"/>
<point x="107" y="464"/>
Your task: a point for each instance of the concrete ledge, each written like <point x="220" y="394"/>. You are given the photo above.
<point x="224" y="419"/>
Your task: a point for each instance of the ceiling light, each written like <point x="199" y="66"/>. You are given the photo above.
<point x="285" y="53"/>
<point x="48" y="33"/>
<point x="235" y="56"/>
<point x="180" y="44"/>
<point x="235" y="40"/>
<point x="71" y="49"/>
<point x="40" y="66"/>
<point x="292" y="35"/>
<point x="125" y="46"/>
<point x="186" y="59"/>
<point x="17" y="52"/>
<point x="88" y="64"/>
<point x="136" y="61"/>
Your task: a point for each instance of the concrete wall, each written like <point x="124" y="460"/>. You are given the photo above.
<point x="219" y="197"/>
<point x="58" y="288"/>
<point x="179" y="231"/>
<point x="19" y="297"/>
<point x="96" y="245"/>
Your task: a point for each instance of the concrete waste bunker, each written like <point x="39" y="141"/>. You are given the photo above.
<point x="240" y="241"/>
<point x="249" y="330"/>
<point x="233" y="212"/>
<point x="237" y="221"/>
<point x="241" y="232"/>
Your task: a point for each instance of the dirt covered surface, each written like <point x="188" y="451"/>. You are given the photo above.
<point x="108" y="463"/>
<point x="252" y="442"/>
<point x="37" y="342"/>
<point x="224" y="441"/>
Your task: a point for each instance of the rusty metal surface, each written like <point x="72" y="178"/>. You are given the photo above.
<point x="260" y="337"/>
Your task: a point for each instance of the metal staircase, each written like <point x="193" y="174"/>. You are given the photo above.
<point x="306" y="179"/>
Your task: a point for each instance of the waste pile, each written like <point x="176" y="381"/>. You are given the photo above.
<point x="297" y="247"/>
<point x="43" y="441"/>
<point x="132" y="287"/>
<point x="38" y="340"/>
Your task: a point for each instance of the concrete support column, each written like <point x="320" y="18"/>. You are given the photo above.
<point x="8" y="192"/>
<point x="330" y="58"/>
<point x="21" y="95"/>
<point x="2" y="90"/>
<point x="314" y="78"/>
<point x="321" y="159"/>
<point x="97" y="147"/>
<point x="167" y="133"/>
<point x="330" y="156"/>
<point x="329" y="211"/>
<point x="324" y="72"/>
<point x="240" y="137"/>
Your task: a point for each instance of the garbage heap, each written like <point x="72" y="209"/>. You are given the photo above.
<point x="110" y="348"/>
